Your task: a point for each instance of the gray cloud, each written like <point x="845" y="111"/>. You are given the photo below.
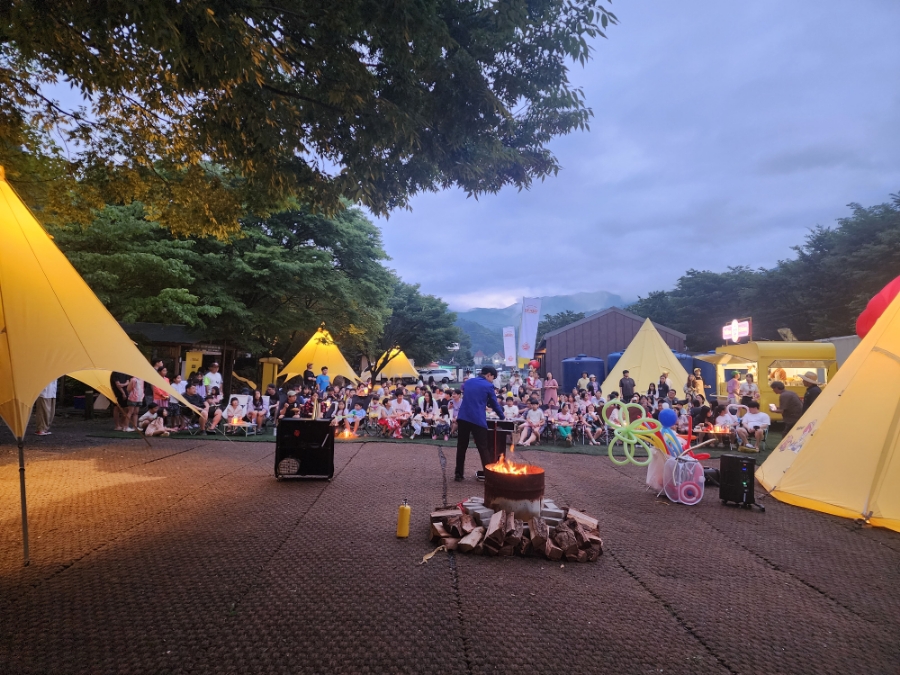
<point x="722" y="133"/>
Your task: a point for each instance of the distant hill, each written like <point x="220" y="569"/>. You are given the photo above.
<point x="497" y="318"/>
<point x="483" y="324"/>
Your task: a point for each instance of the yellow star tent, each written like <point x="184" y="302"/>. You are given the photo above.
<point x="843" y="456"/>
<point x="320" y="351"/>
<point x="398" y="366"/>
<point x="647" y="357"/>
<point x="51" y="324"/>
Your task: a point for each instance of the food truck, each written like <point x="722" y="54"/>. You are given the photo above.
<point x="770" y="361"/>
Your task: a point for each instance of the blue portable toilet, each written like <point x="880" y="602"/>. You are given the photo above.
<point x="708" y="373"/>
<point x="612" y="360"/>
<point x="573" y="367"/>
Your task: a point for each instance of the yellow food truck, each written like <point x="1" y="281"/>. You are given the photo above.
<point x="770" y="361"/>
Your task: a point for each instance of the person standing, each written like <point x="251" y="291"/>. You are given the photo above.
<point x="213" y="378"/>
<point x="45" y="409"/>
<point x="811" y="382"/>
<point x="119" y="385"/>
<point x="626" y="386"/>
<point x="323" y="382"/>
<point x="309" y="377"/>
<point x="749" y="390"/>
<point x="551" y="388"/>
<point x="583" y="382"/>
<point x="662" y="391"/>
<point x="734" y="387"/>
<point x="472" y="419"/>
<point x="135" y="396"/>
<point x="789" y="405"/>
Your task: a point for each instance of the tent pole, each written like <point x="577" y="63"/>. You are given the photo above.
<point x="24" y="507"/>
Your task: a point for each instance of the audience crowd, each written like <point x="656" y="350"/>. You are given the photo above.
<point x="394" y="409"/>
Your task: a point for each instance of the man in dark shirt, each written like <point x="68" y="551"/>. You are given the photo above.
<point x="472" y="419"/>
<point x="811" y="382"/>
<point x="291" y="407"/>
<point x="309" y="377"/>
<point x="789" y="405"/>
<point x="275" y="402"/>
<point x="626" y="386"/>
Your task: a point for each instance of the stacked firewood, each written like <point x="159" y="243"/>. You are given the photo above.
<point x="576" y="538"/>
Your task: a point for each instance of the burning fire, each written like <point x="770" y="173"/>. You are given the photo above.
<point x="235" y="420"/>
<point x="504" y="465"/>
<point x="346" y="433"/>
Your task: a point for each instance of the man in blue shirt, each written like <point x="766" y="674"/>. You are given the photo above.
<point x="323" y="381"/>
<point x="472" y="419"/>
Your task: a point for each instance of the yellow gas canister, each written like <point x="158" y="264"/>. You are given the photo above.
<point x="403" y="519"/>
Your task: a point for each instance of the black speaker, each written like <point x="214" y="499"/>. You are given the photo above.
<point x="500" y="434"/>
<point x="736" y="482"/>
<point x="304" y="449"/>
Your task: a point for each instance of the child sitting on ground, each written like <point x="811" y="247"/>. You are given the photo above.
<point x="416" y="422"/>
<point x="442" y="424"/>
<point x="153" y="423"/>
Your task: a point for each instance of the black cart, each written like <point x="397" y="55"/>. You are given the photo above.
<point x="500" y="436"/>
<point x="304" y="449"/>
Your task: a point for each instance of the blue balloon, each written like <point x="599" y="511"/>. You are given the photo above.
<point x="668" y="418"/>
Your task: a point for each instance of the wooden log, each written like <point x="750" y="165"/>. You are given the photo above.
<point x="471" y="540"/>
<point x="581" y="537"/>
<point x="514" y="536"/>
<point x="467" y="523"/>
<point x="454" y="526"/>
<point x="593" y="553"/>
<point x="441" y="515"/>
<point x="594" y="538"/>
<point x="552" y="551"/>
<point x="451" y="543"/>
<point x="583" y="519"/>
<point x="506" y="549"/>
<point x="565" y="539"/>
<point x="571" y="557"/>
<point x="540" y="532"/>
<point x="438" y="531"/>
<point x="479" y="548"/>
<point x="496" y="530"/>
<point x="525" y="548"/>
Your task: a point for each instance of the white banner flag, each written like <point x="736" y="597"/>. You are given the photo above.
<point x="531" y="311"/>
<point x="509" y="347"/>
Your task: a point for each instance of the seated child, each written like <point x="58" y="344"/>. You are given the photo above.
<point x="354" y="417"/>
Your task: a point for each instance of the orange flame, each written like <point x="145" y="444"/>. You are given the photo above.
<point x="504" y="465"/>
<point x="235" y="420"/>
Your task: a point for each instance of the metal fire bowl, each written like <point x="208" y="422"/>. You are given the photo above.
<point x="521" y="493"/>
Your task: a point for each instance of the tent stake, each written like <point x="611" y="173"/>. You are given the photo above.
<point x="24" y="507"/>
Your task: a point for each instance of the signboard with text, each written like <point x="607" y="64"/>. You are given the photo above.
<point x="739" y="330"/>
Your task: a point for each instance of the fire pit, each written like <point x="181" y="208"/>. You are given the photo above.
<point x="510" y="486"/>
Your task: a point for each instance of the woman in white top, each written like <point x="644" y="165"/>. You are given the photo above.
<point x="749" y="390"/>
<point x="534" y="422"/>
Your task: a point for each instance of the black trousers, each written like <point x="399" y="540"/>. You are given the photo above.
<point x="480" y="434"/>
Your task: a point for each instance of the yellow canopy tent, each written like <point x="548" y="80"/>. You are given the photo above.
<point x="51" y="324"/>
<point x="843" y="456"/>
<point x="647" y="357"/>
<point x="320" y="351"/>
<point x="398" y="365"/>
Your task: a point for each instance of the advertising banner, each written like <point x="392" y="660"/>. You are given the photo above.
<point x="509" y="347"/>
<point x="531" y="311"/>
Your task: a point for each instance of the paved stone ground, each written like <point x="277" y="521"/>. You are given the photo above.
<point x="189" y="557"/>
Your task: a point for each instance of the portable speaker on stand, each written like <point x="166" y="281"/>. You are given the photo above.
<point x="736" y="483"/>
<point x="304" y="449"/>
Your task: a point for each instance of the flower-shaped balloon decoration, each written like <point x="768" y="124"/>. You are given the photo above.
<point x="640" y="433"/>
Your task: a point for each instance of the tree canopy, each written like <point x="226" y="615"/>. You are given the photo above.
<point x="266" y="290"/>
<point x="817" y="294"/>
<point x="420" y="325"/>
<point x="311" y="100"/>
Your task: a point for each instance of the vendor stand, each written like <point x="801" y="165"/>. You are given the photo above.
<point x="770" y="361"/>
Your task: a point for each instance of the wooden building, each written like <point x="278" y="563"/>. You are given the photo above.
<point x="611" y="330"/>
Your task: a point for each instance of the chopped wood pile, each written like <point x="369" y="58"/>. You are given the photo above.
<point x="575" y="537"/>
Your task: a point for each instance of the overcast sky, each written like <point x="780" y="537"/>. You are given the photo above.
<point x="722" y="131"/>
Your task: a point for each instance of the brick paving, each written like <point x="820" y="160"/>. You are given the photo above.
<point x="189" y="557"/>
